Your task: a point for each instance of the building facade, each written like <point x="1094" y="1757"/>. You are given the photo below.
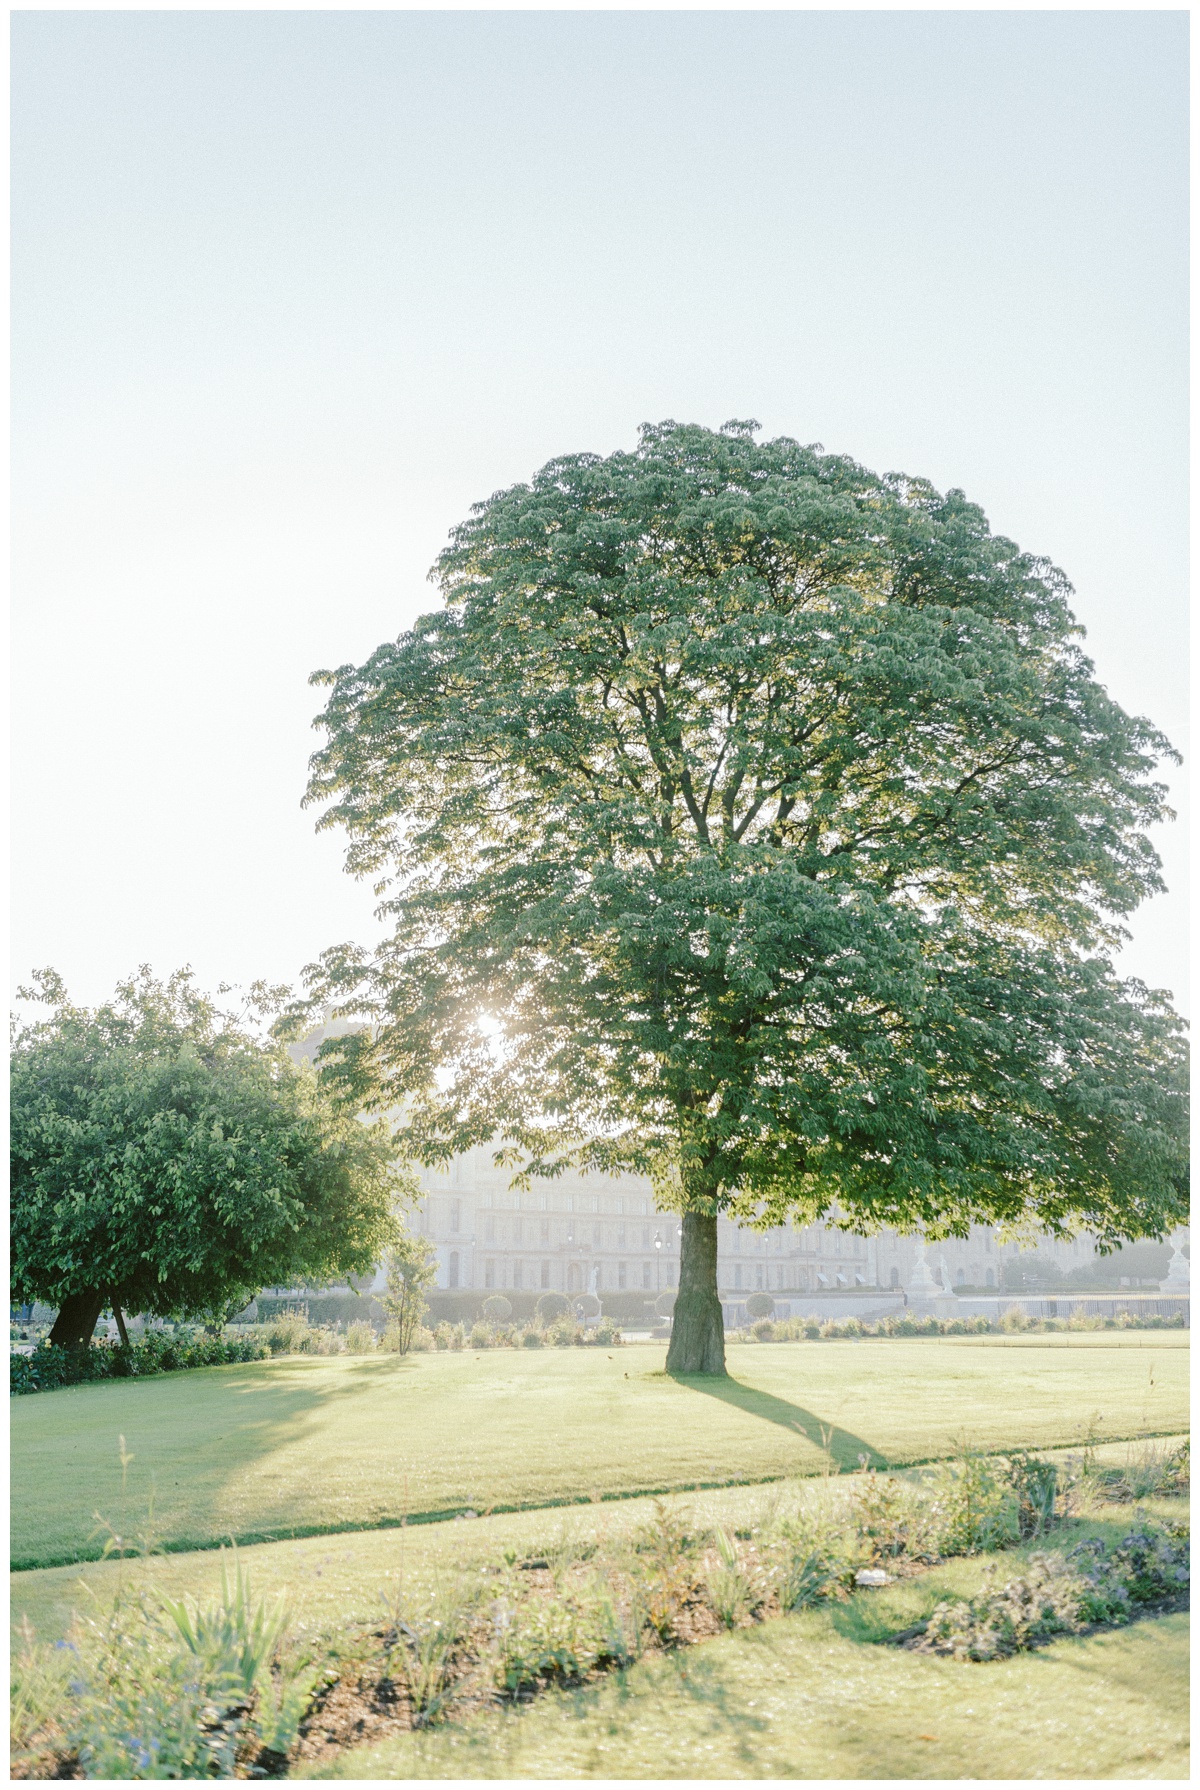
<point x="604" y="1234"/>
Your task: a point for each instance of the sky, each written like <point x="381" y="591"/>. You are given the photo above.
<point x="291" y="291"/>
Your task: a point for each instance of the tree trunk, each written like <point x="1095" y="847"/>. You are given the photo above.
<point x="77" y="1319"/>
<point x="121" y="1330"/>
<point x="697" y="1327"/>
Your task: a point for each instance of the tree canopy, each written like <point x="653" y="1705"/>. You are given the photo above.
<point x="755" y="821"/>
<point x="166" y="1160"/>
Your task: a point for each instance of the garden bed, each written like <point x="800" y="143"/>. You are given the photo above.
<point x="522" y="1624"/>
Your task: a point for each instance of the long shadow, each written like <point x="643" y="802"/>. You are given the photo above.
<point x="844" y="1449"/>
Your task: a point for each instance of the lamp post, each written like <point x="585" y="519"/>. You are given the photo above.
<point x="658" y="1261"/>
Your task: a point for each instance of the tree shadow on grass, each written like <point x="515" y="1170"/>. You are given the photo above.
<point x="844" y="1449"/>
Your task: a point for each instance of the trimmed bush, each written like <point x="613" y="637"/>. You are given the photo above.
<point x="760" y="1305"/>
<point x="497" y="1309"/>
<point x="157" y="1352"/>
<point x="551" y="1306"/>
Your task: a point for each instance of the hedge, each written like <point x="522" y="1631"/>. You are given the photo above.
<point x="158" y="1352"/>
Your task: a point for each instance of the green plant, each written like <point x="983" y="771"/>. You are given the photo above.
<point x="361" y="1338"/>
<point x="425" y="1649"/>
<point x="1035" y="1486"/>
<point x="482" y="1336"/>
<point x="496" y="1308"/>
<point x="892" y="1518"/>
<point x="411" y="1269"/>
<point x="813" y="1556"/>
<point x="663" y="1548"/>
<point x="1057" y="1594"/>
<point x="1046" y="1599"/>
<point x="972" y="1506"/>
<point x="730" y="1585"/>
<point x="760" y="1305"/>
<point x="288" y="1333"/>
<point x="558" y="1637"/>
<point x="551" y="1306"/>
<point x="532" y="1338"/>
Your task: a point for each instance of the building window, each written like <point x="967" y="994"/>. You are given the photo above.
<point x="545" y="1231"/>
<point x="570" y="1202"/>
<point x="620" y="1207"/>
<point x="595" y="1203"/>
<point x="570" y="1233"/>
<point x="621" y="1276"/>
<point x="453" y="1267"/>
<point x="758" y="1275"/>
<point x="670" y="1274"/>
<point x="620" y="1236"/>
<point x="516" y="1274"/>
<point x="960" y="1279"/>
<point x="895" y="1277"/>
<point x="737" y="1242"/>
<point x="489" y="1231"/>
<point x="455" y="1215"/>
<point x="516" y="1233"/>
<point x="597" y="1235"/>
<point x="645" y="1236"/>
<point x="489" y="1274"/>
<point x="545" y="1274"/>
<point x="737" y="1275"/>
<point x="990" y="1278"/>
<point x="645" y="1274"/>
<point x="543" y="1202"/>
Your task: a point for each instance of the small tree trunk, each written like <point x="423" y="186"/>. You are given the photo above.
<point x="121" y="1330"/>
<point x="697" y="1327"/>
<point x="77" y="1319"/>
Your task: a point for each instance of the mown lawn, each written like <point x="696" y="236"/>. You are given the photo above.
<point x="307" y="1446"/>
<point x="333" y="1583"/>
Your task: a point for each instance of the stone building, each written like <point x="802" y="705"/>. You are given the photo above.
<point x="604" y="1234"/>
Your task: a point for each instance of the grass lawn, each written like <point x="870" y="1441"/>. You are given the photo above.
<point x="306" y="1446"/>
<point x="333" y="1583"/>
<point x="797" y="1699"/>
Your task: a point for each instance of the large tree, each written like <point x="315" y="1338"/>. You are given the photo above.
<point x="754" y="821"/>
<point x="167" y="1160"/>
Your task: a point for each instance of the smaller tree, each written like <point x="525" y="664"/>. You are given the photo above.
<point x="760" y="1305"/>
<point x="411" y="1269"/>
<point x="167" y="1160"/>
<point x="551" y="1306"/>
<point x="496" y="1309"/>
<point x="587" y="1306"/>
<point x="664" y="1305"/>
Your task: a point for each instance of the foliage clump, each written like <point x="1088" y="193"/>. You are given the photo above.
<point x="168" y="1160"/>
<point x="1060" y="1594"/>
<point x="156" y="1352"/>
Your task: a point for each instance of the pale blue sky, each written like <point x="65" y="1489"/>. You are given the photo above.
<point x="292" y="290"/>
